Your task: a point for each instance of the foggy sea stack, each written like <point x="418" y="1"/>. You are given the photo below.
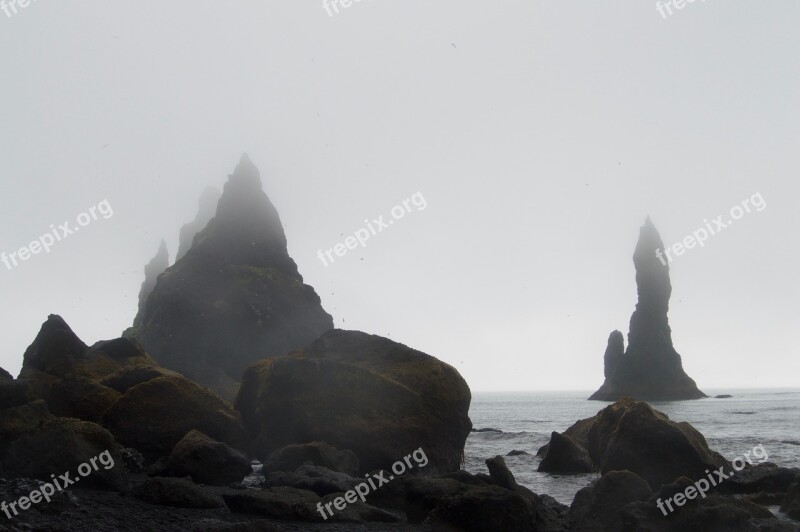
<point x="236" y="297"/>
<point x="650" y="368"/>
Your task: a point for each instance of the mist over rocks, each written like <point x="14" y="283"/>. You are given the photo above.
<point x="207" y="206"/>
<point x="236" y="297"/>
<point x="650" y="368"/>
<point x="152" y="270"/>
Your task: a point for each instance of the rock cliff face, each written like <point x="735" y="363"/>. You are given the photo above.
<point x="205" y="212"/>
<point x="236" y="297"/>
<point x="650" y="369"/>
<point x="152" y="270"/>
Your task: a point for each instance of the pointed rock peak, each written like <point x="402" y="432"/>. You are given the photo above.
<point x="246" y="173"/>
<point x="646" y="256"/>
<point x="55" y="349"/>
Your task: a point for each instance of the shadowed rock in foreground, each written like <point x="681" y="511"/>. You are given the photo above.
<point x="361" y="392"/>
<point x="235" y="298"/>
<point x="650" y="369"/>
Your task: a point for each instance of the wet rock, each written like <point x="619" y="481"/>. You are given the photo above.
<point x="155" y="415"/>
<point x="579" y="433"/>
<point x="565" y="456"/>
<point x="349" y="389"/>
<point x="631" y="435"/>
<point x="761" y="477"/>
<point x="423" y="494"/>
<point x="791" y="503"/>
<point x="517" y="453"/>
<point x="207" y="461"/>
<point x="597" y="507"/>
<point x="650" y="369"/>
<point x="62" y="445"/>
<point x="176" y="492"/>
<point x="235" y="298"/>
<point x="500" y="474"/>
<point x="291" y="457"/>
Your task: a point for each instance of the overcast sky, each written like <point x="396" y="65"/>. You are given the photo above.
<point x="540" y="134"/>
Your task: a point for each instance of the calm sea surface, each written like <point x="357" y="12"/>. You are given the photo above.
<point x="731" y="427"/>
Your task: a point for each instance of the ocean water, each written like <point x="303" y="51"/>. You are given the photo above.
<point x="730" y="426"/>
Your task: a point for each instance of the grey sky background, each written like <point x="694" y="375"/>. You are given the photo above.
<point x="540" y="133"/>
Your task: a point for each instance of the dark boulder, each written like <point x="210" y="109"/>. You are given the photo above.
<point x="565" y="456"/>
<point x="791" y="503"/>
<point x="155" y="415"/>
<point x="578" y="432"/>
<point x="361" y="392"/>
<point x="62" y="445"/>
<point x="291" y="457"/>
<point x="235" y="298"/>
<point x="14" y="393"/>
<point x="761" y="477"/>
<point x="650" y="369"/>
<point x="320" y="480"/>
<point x="129" y="376"/>
<point x="82" y="398"/>
<point x="176" y="492"/>
<point x="597" y="507"/>
<point x="18" y="421"/>
<point x="4" y="375"/>
<point x="631" y="435"/>
<point x="207" y="461"/>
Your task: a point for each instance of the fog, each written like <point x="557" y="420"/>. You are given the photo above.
<point x="538" y="135"/>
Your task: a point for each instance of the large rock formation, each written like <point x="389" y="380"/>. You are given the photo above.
<point x="650" y="369"/>
<point x="632" y="435"/>
<point x="205" y="212"/>
<point x="116" y="384"/>
<point x="235" y="298"/>
<point x="378" y="398"/>
<point x="152" y="270"/>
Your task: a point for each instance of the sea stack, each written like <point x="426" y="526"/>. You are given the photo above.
<point x="236" y="297"/>
<point x="650" y="369"/>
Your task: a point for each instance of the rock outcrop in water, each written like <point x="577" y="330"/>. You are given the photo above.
<point x="206" y="208"/>
<point x="236" y="297"/>
<point x="152" y="270"/>
<point x="650" y="369"/>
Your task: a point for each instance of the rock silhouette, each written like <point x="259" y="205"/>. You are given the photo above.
<point x="207" y="206"/>
<point x="152" y="270"/>
<point x="236" y="297"/>
<point x="650" y="369"/>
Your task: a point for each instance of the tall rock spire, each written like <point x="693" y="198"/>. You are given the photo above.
<point x="235" y="298"/>
<point x="650" y="369"/>
<point x="206" y="208"/>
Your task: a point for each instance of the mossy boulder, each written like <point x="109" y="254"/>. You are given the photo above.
<point x="14" y="393"/>
<point x="18" y="421"/>
<point x="207" y="461"/>
<point x="356" y="391"/>
<point x="155" y="415"/>
<point x="321" y="454"/>
<point x="129" y="376"/>
<point x="61" y="445"/>
<point x="82" y="398"/>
